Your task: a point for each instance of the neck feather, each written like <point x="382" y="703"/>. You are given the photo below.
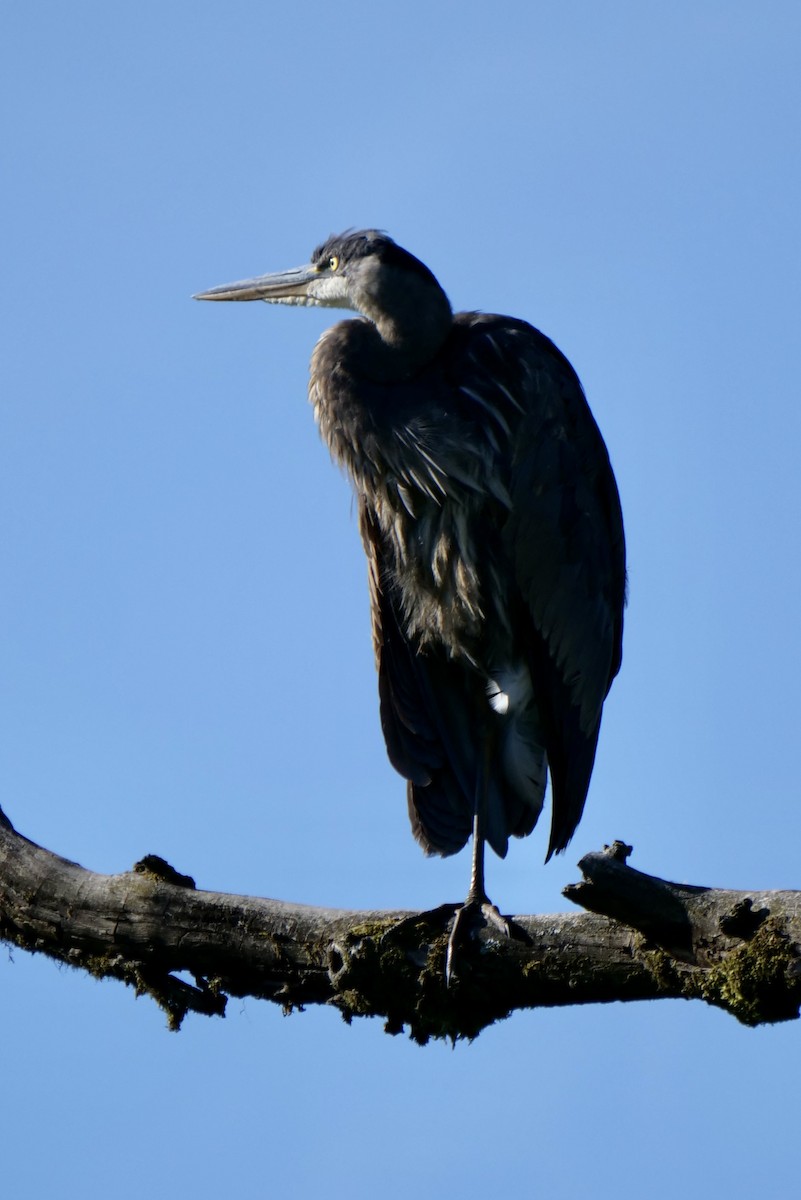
<point x="412" y="317"/>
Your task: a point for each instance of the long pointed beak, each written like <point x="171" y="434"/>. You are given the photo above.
<point x="283" y="287"/>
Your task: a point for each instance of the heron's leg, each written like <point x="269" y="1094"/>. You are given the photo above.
<point x="477" y="909"/>
<point x="477" y="893"/>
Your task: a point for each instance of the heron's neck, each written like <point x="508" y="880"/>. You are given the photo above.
<point x="406" y="348"/>
<point x="411" y="325"/>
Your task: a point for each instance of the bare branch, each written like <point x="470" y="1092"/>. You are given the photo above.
<point x="644" y="938"/>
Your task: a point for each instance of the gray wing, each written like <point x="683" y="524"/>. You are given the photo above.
<point x="564" y="538"/>
<point x="426" y="730"/>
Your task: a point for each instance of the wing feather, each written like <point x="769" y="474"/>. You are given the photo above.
<point x="565" y="540"/>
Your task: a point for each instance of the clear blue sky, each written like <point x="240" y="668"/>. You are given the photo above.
<point x="185" y="655"/>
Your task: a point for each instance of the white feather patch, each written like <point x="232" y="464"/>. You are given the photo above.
<point x="510" y="690"/>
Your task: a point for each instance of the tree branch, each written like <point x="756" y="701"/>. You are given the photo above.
<point x="643" y="938"/>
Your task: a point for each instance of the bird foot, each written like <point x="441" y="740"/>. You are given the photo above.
<point x="475" y="914"/>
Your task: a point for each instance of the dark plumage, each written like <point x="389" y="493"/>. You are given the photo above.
<point x="494" y="537"/>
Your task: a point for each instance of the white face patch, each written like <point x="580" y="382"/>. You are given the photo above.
<point x="330" y="291"/>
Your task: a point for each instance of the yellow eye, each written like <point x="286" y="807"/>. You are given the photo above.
<point x="333" y="262"/>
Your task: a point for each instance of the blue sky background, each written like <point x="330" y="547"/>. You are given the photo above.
<point x="185" y="655"/>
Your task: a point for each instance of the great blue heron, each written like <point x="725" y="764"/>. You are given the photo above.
<point x="494" y="537"/>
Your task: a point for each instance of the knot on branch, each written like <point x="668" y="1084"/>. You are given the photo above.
<point x="743" y="920"/>
<point x="155" y="867"/>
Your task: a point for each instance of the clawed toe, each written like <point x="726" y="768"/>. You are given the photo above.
<point x="473" y="915"/>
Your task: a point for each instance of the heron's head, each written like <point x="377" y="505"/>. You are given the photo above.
<point x="364" y="271"/>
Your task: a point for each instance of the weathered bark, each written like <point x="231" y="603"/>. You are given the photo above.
<point x="643" y="939"/>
